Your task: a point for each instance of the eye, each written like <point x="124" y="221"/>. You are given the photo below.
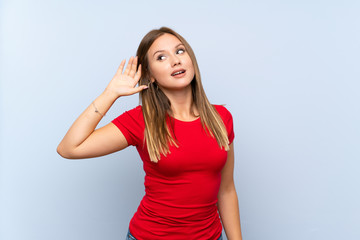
<point x="160" y="57"/>
<point x="180" y="51"/>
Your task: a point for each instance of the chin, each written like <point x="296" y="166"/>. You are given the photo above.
<point x="177" y="87"/>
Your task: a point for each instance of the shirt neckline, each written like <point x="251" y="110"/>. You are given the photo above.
<point x="178" y="120"/>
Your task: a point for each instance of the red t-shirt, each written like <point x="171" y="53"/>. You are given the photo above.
<point x="181" y="189"/>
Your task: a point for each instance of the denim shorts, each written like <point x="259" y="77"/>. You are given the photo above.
<point x="131" y="237"/>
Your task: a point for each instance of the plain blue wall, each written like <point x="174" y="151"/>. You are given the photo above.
<point x="287" y="70"/>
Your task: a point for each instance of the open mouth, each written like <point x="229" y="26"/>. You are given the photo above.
<point x="178" y="73"/>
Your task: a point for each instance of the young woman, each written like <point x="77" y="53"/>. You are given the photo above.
<point x="185" y="143"/>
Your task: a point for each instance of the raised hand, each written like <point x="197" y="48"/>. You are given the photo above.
<point x="82" y="140"/>
<point x="124" y="81"/>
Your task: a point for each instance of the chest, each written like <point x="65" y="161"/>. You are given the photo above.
<point x="197" y="152"/>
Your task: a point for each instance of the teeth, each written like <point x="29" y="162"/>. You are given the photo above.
<point x="178" y="73"/>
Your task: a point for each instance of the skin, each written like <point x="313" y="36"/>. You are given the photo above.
<point x="82" y="140"/>
<point x="228" y="201"/>
<point x="166" y="55"/>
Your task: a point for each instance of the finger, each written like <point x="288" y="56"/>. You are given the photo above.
<point x="121" y="67"/>
<point x="133" y="67"/>
<point x="138" y="74"/>
<point x="139" y="88"/>
<point x="127" y="69"/>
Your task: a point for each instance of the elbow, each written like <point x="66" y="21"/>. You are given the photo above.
<point x="227" y="189"/>
<point x="63" y="153"/>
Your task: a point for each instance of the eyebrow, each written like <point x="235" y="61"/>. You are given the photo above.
<point x="164" y="50"/>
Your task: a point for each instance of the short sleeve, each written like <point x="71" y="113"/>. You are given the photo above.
<point x="131" y="124"/>
<point x="228" y="121"/>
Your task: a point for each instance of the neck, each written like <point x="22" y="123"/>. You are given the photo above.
<point x="182" y="104"/>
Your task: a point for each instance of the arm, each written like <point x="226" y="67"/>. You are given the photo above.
<point x="227" y="200"/>
<point x="82" y="140"/>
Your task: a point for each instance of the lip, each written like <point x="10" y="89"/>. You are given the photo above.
<point x="178" y="70"/>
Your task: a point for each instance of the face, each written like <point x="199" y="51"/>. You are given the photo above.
<point x="169" y="63"/>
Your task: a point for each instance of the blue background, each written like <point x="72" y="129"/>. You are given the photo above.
<point x="287" y="70"/>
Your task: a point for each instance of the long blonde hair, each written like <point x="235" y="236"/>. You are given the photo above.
<point x="156" y="106"/>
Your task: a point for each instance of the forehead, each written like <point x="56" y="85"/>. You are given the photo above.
<point x="164" y="42"/>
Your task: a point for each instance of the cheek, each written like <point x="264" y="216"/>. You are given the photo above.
<point x="158" y="71"/>
<point x="190" y="63"/>
<point x="154" y="71"/>
<point x="191" y="66"/>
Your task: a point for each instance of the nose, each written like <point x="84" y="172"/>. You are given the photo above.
<point x="176" y="61"/>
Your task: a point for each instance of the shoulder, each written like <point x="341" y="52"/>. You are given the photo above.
<point x="223" y="111"/>
<point x="131" y="124"/>
<point x="227" y="120"/>
<point x="134" y="113"/>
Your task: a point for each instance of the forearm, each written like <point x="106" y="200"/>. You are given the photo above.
<point x="86" y="123"/>
<point x="229" y="212"/>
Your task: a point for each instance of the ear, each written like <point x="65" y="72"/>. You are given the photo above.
<point x="152" y="79"/>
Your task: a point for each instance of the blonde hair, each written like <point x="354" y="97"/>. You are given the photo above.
<point x="156" y="105"/>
